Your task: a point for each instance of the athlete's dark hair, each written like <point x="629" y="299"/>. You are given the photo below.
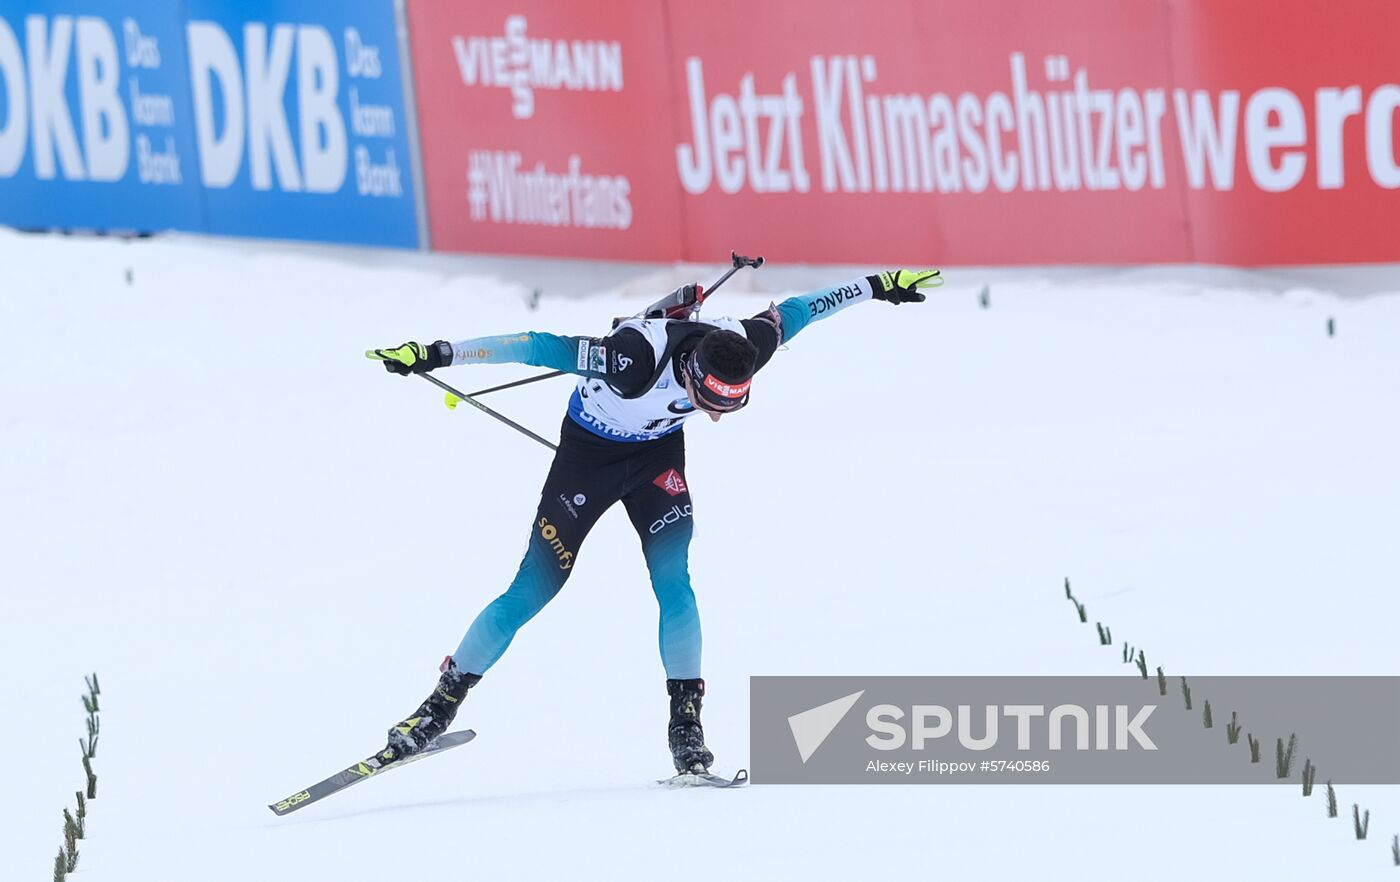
<point x="729" y="356"/>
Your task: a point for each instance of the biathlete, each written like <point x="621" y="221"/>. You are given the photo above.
<point x="622" y="441"/>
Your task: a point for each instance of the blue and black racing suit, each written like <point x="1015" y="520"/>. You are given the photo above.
<point x="622" y="440"/>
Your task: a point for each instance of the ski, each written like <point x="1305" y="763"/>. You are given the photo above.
<point x="705" y="779"/>
<point x="366" y="768"/>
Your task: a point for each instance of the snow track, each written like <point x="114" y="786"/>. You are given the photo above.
<point x="264" y="545"/>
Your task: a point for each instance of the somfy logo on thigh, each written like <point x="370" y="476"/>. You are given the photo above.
<point x="1004" y="730"/>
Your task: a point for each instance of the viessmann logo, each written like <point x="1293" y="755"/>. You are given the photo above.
<point x="521" y="64"/>
<point x="1112" y="725"/>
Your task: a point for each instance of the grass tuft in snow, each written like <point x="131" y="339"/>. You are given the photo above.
<point x="71" y="835"/>
<point x="1284" y="756"/>
<point x="1283" y="759"/>
<point x="1079" y="607"/>
<point x="90" y="745"/>
<point x="93" y="723"/>
<point x="91" y="778"/>
<point x="76" y="828"/>
<point x="72" y="828"/>
<point x="1360" y="823"/>
<point x="70" y="852"/>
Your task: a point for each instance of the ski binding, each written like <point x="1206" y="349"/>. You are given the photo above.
<point x="705" y="779"/>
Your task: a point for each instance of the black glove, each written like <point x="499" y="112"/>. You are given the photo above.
<point x="413" y="358"/>
<point x="903" y="286"/>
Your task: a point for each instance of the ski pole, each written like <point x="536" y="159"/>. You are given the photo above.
<point x="486" y="410"/>
<point x="523" y="382"/>
<point x="737" y="261"/>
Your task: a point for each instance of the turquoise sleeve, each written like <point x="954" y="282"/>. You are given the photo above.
<point x="800" y="311"/>
<point x="574" y="355"/>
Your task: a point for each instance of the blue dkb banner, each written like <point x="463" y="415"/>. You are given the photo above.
<point x="272" y="119"/>
<point x="95" y="129"/>
<point x="299" y="119"/>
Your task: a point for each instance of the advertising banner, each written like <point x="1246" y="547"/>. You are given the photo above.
<point x="1292" y="152"/>
<point x="95" y="128"/>
<point x="546" y="127"/>
<point x="1018" y="131"/>
<point x="918" y="131"/>
<point x="298" y="112"/>
<point x="1007" y="131"/>
<point x="1002" y="132"/>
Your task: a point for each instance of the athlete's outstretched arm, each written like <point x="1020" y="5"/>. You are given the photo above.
<point x="895" y="286"/>
<point x="621" y="358"/>
<point x="570" y="354"/>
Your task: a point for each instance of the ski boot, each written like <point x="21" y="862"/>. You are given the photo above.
<point x="435" y="714"/>
<point x="684" y="734"/>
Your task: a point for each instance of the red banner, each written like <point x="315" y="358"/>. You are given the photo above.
<point x="1001" y="132"/>
<point x="545" y="127"/>
<point x="942" y="131"/>
<point x="1307" y="94"/>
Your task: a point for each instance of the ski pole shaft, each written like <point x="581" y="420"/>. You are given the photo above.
<point x="523" y="382"/>
<point x="486" y="410"/>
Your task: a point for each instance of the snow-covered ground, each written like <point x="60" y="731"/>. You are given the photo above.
<point x="264" y="545"/>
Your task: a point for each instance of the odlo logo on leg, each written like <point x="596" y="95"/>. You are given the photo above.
<point x="550" y="534"/>
<point x="670" y="517"/>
